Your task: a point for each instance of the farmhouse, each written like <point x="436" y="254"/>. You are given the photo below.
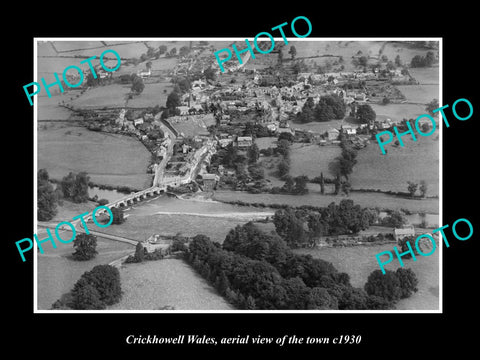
<point x="400" y="233"/>
<point x="333" y="134"/>
<point x="244" y="142"/>
<point x="348" y="130"/>
<point x="209" y="181"/>
<point x="138" y="121"/>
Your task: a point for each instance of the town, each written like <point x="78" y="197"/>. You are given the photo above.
<point x="277" y="151"/>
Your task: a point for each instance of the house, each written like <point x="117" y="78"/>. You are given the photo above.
<point x="244" y="142"/>
<point x="348" y="130"/>
<point x="209" y="182"/>
<point x="183" y="110"/>
<point x="333" y="134"/>
<point x="400" y="233"/>
<point x="144" y="73"/>
<point x="138" y="121"/>
<point x="272" y="127"/>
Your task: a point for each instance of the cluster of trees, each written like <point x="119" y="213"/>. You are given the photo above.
<point x="46" y="197"/>
<point x="394" y="219"/>
<point x="182" y="85"/>
<point x="301" y="226"/>
<point x="85" y="247"/>
<point x="94" y="290"/>
<point x="412" y="188"/>
<point x="393" y="285"/>
<point x="328" y="108"/>
<point x="255" y="270"/>
<point x="73" y="187"/>
<point x="365" y="114"/>
<point x="423" y="61"/>
<point x="293" y="186"/>
<point x="256" y="130"/>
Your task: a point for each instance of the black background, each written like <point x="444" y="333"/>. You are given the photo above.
<point x="382" y="334"/>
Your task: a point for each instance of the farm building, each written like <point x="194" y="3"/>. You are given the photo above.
<point x="400" y="233"/>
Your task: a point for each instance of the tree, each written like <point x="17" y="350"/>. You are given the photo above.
<point x="363" y="60"/>
<point x="289" y="185"/>
<point x="85" y="247"/>
<point x="432" y="105"/>
<point x="46" y="197"/>
<point x="280" y="57"/>
<point x="394" y="219"/>
<point x="402" y="244"/>
<point x="290" y="227"/>
<point x="423" y="188"/>
<point x="162" y="49"/>
<point x="75" y="187"/>
<point x="106" y="279"/>
<point x="209" y="73"/>
<point x="253" y="153"/>
<point x="365" y="114"/>
<point x="173" y="100"/>
<point x="412" y="188"/>
<point x="139" y="252"/>
<point x="184" y="50"/>
<point x="283" y="147"/>
<point x="292" y="51"/>
<point x="137" y="85"/>
<point x="118" y="217"/>
<point x="385" y="285"/>
<point x="408" y="282"/>
<point x="322" y="184"/>
<point x="283" y="168"/>
<point x="398" y="61"/>
<point x="173" y="51"/>
<point x="85" y="296"/>
<point x="184" y="85"/>
<point x="301" y="185"/>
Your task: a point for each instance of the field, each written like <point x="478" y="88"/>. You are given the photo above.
<point x="154" y="285"/>
<point x="419" y="93"/>
<point x="405" y="51"/>
<point x="67" y="46"/>
<point x="311" y="160"/>
<point x="397" y="112"/>
<point x="319" y="127"/>
<point x="57" y="273"/>
<point x="107" y="158"/>
<point x="153" y="94"/>
<point x="113" y="95"/>
<point x="426" y="76"/>
<point x="48" y="109"/>
<point x="360" y="261"/>
<point x="414" y="162"/>
<point x="314" y="198"/>
<point x="125" y="50"/>
<point x="266" y="142"/>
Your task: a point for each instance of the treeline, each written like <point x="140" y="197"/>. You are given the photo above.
<point x="254" y="270"/>
<point x="301" y="226"/>
<point x="95" y="290"/>
<point x="423" y="61"/>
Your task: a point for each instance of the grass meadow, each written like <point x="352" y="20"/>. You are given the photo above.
<point x="171" y="283"/>
<point x="107" y="158"/>
<point x="414" y="162"/>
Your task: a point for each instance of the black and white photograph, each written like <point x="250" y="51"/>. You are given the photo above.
<point x="255" y="183"/>
<point x="226" y="179"/>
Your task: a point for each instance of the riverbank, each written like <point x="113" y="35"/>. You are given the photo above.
<point x="371" y="200"/>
